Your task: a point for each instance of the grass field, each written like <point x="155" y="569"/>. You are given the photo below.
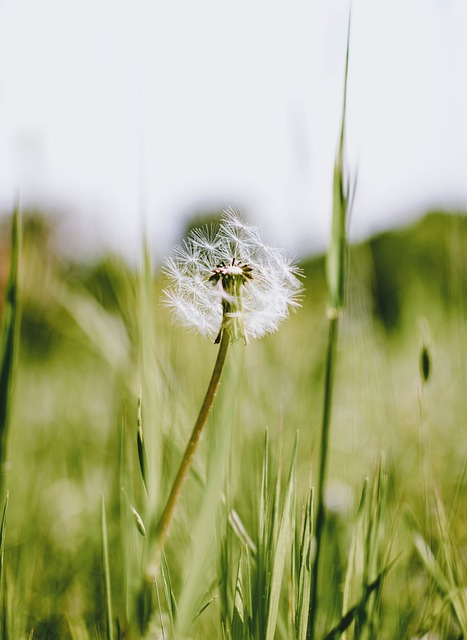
<point x="95" y="341"/>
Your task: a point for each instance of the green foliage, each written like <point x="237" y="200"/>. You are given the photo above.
<point x="369" y="558"/>
<point x="251" y="596"/>
<point x="447" y="570"/>
<point x="238" y="560"/>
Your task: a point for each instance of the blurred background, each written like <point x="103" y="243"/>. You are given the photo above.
<point x="115" y="113"/>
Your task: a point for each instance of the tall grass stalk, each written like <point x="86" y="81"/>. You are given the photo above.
<point x="9" y="343"/>
<point x="335" y="281"/>
<point x="320" y="510"/>
<point x="303" y="570"/>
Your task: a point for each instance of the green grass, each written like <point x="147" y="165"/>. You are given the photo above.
<point x="237" y="563"/>
<point x="260" y="535"/>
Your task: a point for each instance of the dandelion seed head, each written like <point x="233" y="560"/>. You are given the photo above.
<point x="228" y="278"/>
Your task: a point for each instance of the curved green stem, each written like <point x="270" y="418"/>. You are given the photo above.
<point x="167" y="515"/>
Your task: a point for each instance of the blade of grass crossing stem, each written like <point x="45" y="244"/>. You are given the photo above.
<point x="108" y="594"/>
<point x="346" y="620"/>
<point x="351" y="577"/>
<point x="9" y="339"/>
<point x="368" y="557"/>
<point x="281" y="548"/>
<point x="378" y="546"/>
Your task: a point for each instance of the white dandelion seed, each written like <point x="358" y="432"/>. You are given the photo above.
<point x="230" y="280"/>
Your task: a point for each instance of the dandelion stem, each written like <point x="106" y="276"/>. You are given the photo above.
<point x="167" y="514"/>
<point x="320" y="513"/>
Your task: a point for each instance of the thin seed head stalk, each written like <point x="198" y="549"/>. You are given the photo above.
<point x="230" y="286"/>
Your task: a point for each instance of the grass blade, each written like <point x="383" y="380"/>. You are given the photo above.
<point x="105" y="549"/>
<point x="352" y="573"/>
<point x="281" y="549"/>
<point x="142" y="457"/>
<point x="3" y="598"/>
<point x="9" y="340"/>
<point x="354" y="612"/>
<point x="446" y="582"/>
<point x="2" y="537"/>
<point x="304" y="572"/>
<point x="169" y="593"/>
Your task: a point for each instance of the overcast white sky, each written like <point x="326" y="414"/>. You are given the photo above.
<point x="109" y="108"/>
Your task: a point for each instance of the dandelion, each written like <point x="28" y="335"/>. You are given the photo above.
<point x="231" y="281"/>
<point x="228" y="285"/>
